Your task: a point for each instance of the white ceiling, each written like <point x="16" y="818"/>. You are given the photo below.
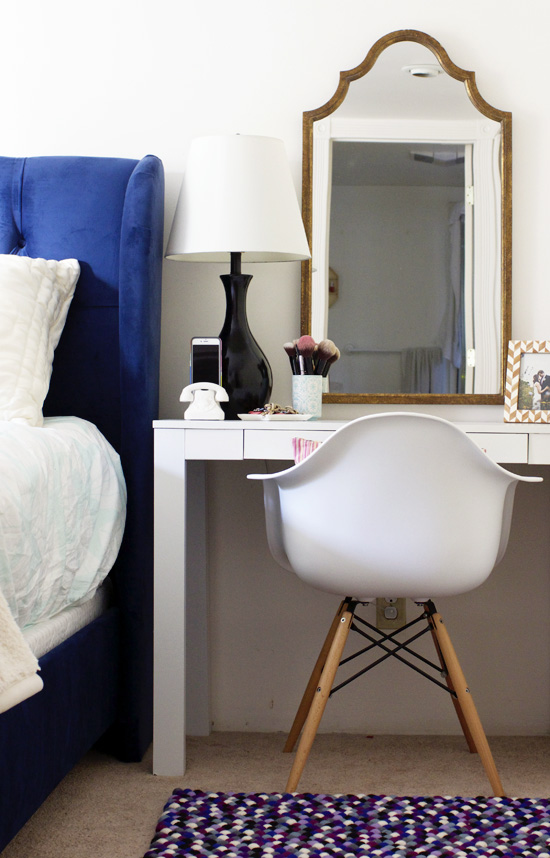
<point x="357" y="162"/>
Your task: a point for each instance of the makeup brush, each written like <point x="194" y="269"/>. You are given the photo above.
<point x="325" y="350"/>
<point x="315" y="356"/>
<point x="330" y="361"/>
<point x="290" y="349"/>
<point x="305" y="348"/>
<point x="297" y="356"/>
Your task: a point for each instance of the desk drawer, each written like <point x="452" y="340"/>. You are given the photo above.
<point x="539" y="449"/>
<point x="277" y="444"/>
<point x="205" y="444"/>
<point x="502" y="447"/>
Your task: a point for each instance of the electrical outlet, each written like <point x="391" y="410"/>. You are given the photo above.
<point x="390" y="613"/>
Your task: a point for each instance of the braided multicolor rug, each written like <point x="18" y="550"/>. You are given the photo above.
<point x="237" y="825"/>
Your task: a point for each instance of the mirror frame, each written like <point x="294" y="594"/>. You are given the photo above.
<point x="505" y="118"/>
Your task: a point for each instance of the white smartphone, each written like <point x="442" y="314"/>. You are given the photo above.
<point x="206" y="360"/>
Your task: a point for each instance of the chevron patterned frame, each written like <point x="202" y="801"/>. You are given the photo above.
<point x="522" y="365"/>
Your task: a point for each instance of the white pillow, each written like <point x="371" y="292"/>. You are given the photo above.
<point x="35" y="295"/>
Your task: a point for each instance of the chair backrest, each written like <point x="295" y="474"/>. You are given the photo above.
<point x="396" y="504"/>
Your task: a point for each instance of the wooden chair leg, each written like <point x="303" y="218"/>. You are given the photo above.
<point x="305" y="703"/>
<point x="466" y="702"/>
<point x="321" y="696"/>
<point x="456" y="703"/>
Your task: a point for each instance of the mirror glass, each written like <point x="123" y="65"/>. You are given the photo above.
<point x="406" y="201"/>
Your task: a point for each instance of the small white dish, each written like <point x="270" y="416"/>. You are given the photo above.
<point x="268" y="417"/>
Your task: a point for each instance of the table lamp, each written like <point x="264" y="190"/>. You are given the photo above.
<point x="238" y="203"/>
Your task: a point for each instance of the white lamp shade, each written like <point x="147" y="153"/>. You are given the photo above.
<point x="237" y="196"/>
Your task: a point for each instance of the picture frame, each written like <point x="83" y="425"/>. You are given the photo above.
<point x="527" y="394"/>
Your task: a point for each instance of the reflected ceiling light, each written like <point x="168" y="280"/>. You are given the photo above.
<point x="425" y="70"/>
<point x="448" y="157"/>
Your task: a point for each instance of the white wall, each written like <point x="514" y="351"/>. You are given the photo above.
<point x="127" y="77"/>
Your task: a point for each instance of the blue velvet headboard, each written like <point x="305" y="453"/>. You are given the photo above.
<point x="107" y="213"/>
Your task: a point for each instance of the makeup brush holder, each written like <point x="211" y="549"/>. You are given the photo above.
<point x="307" y="394"/>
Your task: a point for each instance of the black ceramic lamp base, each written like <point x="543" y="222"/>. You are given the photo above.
<point x="246" y="374"/>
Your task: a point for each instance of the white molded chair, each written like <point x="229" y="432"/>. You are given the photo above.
<point x="391" y="505"/>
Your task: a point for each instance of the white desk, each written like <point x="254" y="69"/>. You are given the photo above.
<point x="181" y="449"/>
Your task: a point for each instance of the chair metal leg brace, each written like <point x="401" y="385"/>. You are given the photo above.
<point x="321" y="694"/>
<point x="397" y="647"/>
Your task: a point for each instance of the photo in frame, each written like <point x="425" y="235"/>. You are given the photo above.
<point x="527" y="394"/>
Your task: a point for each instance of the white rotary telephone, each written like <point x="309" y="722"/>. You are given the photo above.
<point x="204" y="397"/>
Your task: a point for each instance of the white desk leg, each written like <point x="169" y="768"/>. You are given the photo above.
<point x="197" y="685"/>
<point x="169" y="635"/>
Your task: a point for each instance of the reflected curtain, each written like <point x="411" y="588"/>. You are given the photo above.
<point x="451" y="334"/>
<point x="424" y="370"/>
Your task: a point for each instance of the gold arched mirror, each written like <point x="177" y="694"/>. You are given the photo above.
<point x="407" y="205"/>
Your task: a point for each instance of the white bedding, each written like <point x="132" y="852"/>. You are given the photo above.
<point x="62" y="515"/>
<point x="47" y="634"/>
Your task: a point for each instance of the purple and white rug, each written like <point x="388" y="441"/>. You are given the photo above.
<point x="268" y="825"/>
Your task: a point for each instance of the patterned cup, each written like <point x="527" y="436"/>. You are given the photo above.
<point x="307" y="394"/>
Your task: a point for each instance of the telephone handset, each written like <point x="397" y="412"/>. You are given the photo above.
<point x="204" y="397"/>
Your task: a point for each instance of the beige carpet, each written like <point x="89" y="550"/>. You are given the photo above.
<point x="107" y="809"/>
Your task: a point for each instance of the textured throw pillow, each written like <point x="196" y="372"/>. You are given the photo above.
<point x="35" y="295"/>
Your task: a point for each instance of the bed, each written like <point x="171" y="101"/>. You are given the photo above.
<point x="106" y="213"/>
